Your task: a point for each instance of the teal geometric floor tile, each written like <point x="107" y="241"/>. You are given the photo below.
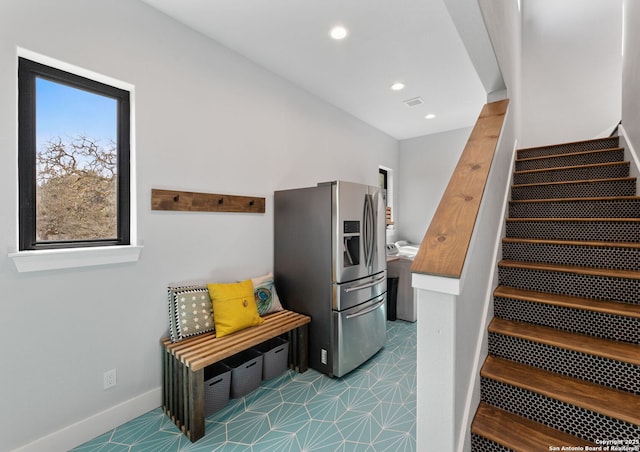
<point x="349" y="446"/>
<point x="319" y="436"/>
<point x="392" y="441"/>
<point x="289" y="417"/>
<point x="329" y="387"/>
<point x="371" y="409"/>
<point x="359" y="427"/>
<point x="159" y="442"/>
<point x="138" y="429"/>
<point x="234" y="408"/>
<point x="248" y="428"/>
<point x="263" y="400"/>
<point x="360" y="378"/>
<point x="323" y="408"/>
<point x="394" y="416"/>
<point x="215" y="435"/>
<point x="298" y="391"/>
<point x="358" y="399"/>
<point x="276" y="441"/>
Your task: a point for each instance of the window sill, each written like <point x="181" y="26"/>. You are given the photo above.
<point x="33" y="261"/>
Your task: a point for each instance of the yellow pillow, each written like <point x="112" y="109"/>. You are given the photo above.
<point x="234" y="307"/>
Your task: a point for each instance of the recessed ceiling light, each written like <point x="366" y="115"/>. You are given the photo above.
<point x="338" y="32"/>
<point x="397" y="86"/>
<point x="430" y="116"/>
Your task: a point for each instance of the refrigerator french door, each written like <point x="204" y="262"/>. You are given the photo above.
<point x="330" y="263"/>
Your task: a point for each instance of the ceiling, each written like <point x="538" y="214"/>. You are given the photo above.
<point x="412" y="41"/>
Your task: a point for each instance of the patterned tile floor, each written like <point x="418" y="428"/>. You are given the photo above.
<point x="372" y="408"/>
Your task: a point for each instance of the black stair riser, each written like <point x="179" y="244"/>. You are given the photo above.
<point x="607" y="208"/>
<point x="589" y="158"/>
<point x="583" y="256"/>
<point x="583" y="146"/>
<point x="603" y="231"/>
<point x="582" y="321"/>
<point x="482" y="444"/>
<point x="623" y="187"/>
<point x="602" y="371"/>
<point x="622" y="290"/>
<point x="576" y="173"/>
<point x="570" y="419"/>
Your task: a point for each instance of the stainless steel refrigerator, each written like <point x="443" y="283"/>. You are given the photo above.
<point x="330" y="263"/>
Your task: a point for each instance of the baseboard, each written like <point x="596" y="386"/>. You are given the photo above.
<point x="96" y="425"/>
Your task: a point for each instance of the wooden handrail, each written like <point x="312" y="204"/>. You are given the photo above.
<point x="444" y="247"/>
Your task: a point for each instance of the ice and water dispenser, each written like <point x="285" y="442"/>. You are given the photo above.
<point x="351" y="243"/>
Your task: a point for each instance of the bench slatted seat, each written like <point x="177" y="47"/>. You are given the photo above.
<point x="184" y="363"/>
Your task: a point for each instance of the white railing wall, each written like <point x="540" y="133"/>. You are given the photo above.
<point x="452" y="317"/>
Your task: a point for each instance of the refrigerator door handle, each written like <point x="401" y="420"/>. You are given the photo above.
<point x="369" y="231"/>
<point x="365" y="231"/>
<point x="365" y="311"/>
<point x="364" y="286"/>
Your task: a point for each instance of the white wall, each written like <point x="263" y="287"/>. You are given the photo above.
<point x="504" y="25"/>
<point x="426" y="165"/>
<point x="571" y="64"/>
<point x="631" y="73"/>
<point x="206" y="120"/>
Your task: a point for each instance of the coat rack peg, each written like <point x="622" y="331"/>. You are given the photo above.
<point x="221" y="201"/>
<point x="176" y="198"/>
<point x="252" y="202"/>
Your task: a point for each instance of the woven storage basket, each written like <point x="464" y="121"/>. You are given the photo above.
<point x="217" y="384"/>
<point x="246" y="372"/>
<point x="275" y="353"/>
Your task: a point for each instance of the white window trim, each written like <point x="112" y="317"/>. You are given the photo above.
<point x="32" y="261"/>
<point x="55" y="259"/>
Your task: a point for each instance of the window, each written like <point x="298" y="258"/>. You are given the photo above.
<point x="385" y="181"/>
<point x="382" y="178"/>
<point x="73" y="160"/>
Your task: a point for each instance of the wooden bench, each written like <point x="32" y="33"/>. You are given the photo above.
<point x="184" y="363"/>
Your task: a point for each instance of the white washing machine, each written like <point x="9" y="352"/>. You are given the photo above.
<point x="400" y="256"/>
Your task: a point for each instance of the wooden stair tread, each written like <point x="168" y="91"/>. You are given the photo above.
<point x="599" y="198"/>
<point x="605" y="348"/>
<point x="568" y="301"/>
<point x="578" y="181"/>
<point x="591" y="271"/>
<point x="568" y="143"/>
<point x="564" y="168"/>
<point x="573" y="243"/>
<point x="518" y="433"/>
<point x="568" y="154"/>
<point x="590" y="396"/>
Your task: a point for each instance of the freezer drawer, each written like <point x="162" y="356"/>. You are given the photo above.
<point x="359" y="333"/>
<point x="354" y="293"/>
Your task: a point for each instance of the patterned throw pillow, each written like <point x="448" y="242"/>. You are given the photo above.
<point x="266" y="297"/>
<point x="190" y="311"/>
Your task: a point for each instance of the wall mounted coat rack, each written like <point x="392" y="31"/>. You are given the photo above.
<point x="204" y="202"/>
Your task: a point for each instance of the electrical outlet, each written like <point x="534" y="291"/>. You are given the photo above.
<point x="109" y="379"/>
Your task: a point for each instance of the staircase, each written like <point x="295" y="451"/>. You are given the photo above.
<point x="564" y="344"/>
